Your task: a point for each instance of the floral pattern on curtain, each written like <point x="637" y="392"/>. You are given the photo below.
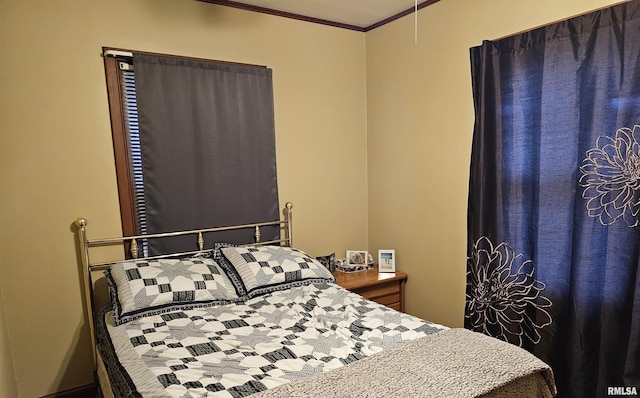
<point x="503" y="292"/>
<point x="611" y="177"/>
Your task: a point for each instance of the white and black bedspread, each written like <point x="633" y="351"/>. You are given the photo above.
<point x="235" y="350"/>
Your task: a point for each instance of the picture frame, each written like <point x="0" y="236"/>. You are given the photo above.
<point x="386" y="260"/>
<point x="357" y="257"/>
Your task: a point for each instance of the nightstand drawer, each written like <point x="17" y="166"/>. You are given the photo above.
<point x="389" y="300"/>
<point x="395" y="306"/>
<point x="388" y="293"/>
<point x="385" y="289"/>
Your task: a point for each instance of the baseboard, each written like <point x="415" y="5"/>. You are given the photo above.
<point x="88" y="391"/>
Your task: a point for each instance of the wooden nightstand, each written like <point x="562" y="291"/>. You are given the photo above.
<point x="386" y="289"/>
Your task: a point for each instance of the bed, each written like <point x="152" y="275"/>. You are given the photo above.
<point x="265" y="319"/>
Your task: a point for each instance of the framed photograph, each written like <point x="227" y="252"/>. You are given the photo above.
<point x="357" y="257"/>
<point x="387" y="260"/>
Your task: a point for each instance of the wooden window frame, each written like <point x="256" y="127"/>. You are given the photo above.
<point x="120" y="146"/>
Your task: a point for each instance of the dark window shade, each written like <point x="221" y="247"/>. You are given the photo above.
<point x="200" y="154"/>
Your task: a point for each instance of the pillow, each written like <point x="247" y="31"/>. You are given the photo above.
<point x="231" y="272"/>
<point x="265" y="269"/>
<point x="141" y="288"/>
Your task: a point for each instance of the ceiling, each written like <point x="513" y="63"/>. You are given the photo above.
<point x="351" y="14"/>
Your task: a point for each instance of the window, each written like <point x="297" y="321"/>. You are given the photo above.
<point x="194" y="144"/>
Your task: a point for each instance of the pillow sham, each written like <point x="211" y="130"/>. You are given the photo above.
<point x="141" y="288"/>
<point x="231" y="272"/>
<point x="329" y="261"/>
<point x="264" y="269"/>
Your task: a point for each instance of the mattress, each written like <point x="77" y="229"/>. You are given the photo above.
<point x="235" y="350"/>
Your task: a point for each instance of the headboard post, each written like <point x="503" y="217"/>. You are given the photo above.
<point x="288" y="215"/>
<point x="81" y="223"/>
<point x="257" y="235"/>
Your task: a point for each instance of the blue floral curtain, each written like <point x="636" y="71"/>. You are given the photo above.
<point x="554" y="198"/>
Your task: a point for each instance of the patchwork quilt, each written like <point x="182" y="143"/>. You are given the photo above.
<point x="235" y="350"/>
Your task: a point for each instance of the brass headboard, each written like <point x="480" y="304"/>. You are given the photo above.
<point x="88" y="266"/>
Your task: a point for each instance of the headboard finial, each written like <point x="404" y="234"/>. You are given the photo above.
<point x="81" y="222"/>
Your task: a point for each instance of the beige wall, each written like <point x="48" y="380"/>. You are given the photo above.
<point x="373" y="136"/>
<point x="420" y="124"/>
<point x="56" y="154"/>
<point x="7" y="377"/>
